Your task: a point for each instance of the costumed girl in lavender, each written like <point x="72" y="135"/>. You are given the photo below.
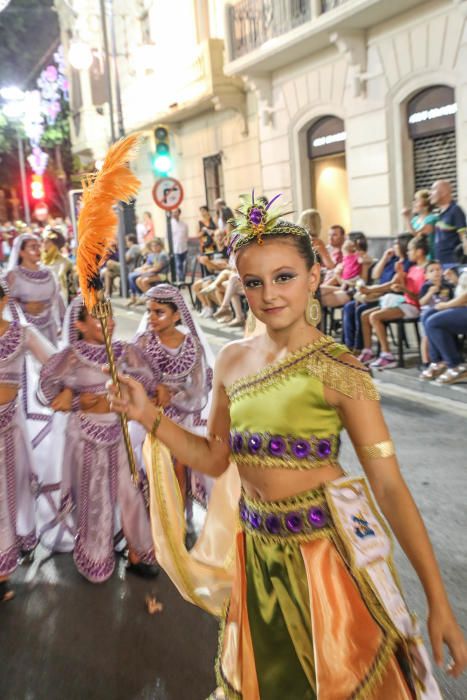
<point x="17" y="477"/>
<point x="181" y="361"/>
<point x="34" y="287"/>
<point x="96" y="487"/>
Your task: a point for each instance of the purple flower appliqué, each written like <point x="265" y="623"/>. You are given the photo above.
<point x="256" y="216"/>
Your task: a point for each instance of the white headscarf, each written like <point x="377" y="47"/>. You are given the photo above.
<point x="168" y="293"/>
<point x="13" y="260"/>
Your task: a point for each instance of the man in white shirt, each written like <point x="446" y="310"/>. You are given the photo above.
<point x="180" y="243"/>
<point x="140" y="232"/>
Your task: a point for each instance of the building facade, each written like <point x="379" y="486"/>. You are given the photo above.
<point x="346" y="106"/>
<point x="361" y="102"/>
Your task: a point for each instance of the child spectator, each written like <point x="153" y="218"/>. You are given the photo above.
<point x="355" y="263"/>
<point x="408" y="284"/>
<point x="435" y="290"/>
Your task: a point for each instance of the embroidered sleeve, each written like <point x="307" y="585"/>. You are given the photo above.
<point x="345" y="377"/>
<point x="55" y="375"/>
<point x="133" y="362"/>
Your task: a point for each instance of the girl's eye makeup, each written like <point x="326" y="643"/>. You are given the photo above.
<point x="252" y="284"/>
<point x="281" y="278"/>
<point x="284" y="277"/>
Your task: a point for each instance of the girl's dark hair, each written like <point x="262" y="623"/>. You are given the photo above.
<point x="403" y="240"/>
<point x="303" y="246"/>
<point x="421" y="243"/>
<point x="361" y="243"/>
<point x="82" y="316"/>
<point x="227" y="213"/>
<point x="22" y="247"/>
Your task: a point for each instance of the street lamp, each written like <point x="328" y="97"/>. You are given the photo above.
<point x="14" y="109"/>
<point x="80" y="55"/>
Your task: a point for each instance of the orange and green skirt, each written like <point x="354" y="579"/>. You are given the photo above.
<point x="300" y="623"/>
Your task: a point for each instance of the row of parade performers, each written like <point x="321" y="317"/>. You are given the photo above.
<point x="64" y="475"/>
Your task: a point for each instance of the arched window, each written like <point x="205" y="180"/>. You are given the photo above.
<point x="329" y="182"/>
<point x="326" y="137"/>
<point x="431" y="118"/>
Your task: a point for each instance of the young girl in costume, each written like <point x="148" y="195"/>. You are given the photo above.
<point x="314" y="608"/>
<point x="17" y="477"/>
<point x="34" y="287"/>
<point x="96" y="487"/>
<point x="181" y="361"/>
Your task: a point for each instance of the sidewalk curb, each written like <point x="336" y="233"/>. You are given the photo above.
<point x="423" y="398"/>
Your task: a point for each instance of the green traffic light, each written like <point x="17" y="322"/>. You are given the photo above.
<point x="162" y="164"/>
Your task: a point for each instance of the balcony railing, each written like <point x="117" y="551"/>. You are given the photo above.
<point x="253" y="22"/>
<point x="327" y="5"/>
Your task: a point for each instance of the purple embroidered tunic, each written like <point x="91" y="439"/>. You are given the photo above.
<point x="38" y="286"/>
<point x="96" y="488"/>
<point x="18" y="481"/>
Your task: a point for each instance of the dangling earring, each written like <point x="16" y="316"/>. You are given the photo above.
<point x="313" y="311"/>
<point x="250" y="323"/>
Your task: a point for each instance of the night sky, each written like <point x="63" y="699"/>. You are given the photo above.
<point x="27" y="29"/>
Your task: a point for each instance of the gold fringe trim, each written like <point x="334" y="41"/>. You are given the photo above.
<point x="378" y="669"/>
<point x="279" y="368"/>
<point x="267" y="462"/>
<point x="346" y="378"/>
<point x="222" y="682"/>
<point x="320" y="359"/>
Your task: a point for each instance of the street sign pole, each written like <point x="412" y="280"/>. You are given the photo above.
<point x="168" y="218"/>
<point x="167" y="194"/>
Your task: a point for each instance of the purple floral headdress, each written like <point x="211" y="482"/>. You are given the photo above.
<point x="258" y="218"/>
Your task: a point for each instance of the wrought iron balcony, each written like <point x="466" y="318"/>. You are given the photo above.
<point x="265" y="35"/>
<point x="327" y="5"/>
<point x="253" y="22"/>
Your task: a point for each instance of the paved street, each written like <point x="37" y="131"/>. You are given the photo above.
<point x="65" y="639"/>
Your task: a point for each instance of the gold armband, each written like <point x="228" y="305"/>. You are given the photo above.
<point x="377" y="451"/>
<point x="157" y="422"/>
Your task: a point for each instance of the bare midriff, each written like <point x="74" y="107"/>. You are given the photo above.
<point x="35" y="308"/>
<point x="8" y="392"/>
<point x="277" y="484"/>
<point x="94" y="403"/>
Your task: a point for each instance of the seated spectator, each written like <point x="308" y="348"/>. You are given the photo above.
<point x="341" y="281"/>
<point x="205" y="220"/>
<point x="443" y="325"/>
<point x="366" y="298"/>
<point x="230" y="297"/>
<point x="310" y="220"/>
<point x="421" y="220"/>
<point x="151" y="272"/>
<point x="112" y="268"/>
<point x="435" y="290"/>
<point x="213" y="262"/>
<point x="381" y="294"/>
<point x="406" y="285"/>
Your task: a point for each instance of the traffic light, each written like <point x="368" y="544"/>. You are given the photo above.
<point x="37" y="187"/>
<point x="162" y="160"/>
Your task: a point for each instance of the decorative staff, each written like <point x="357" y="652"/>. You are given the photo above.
<point x="97" y="227"/>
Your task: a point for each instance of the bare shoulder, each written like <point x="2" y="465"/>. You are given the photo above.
<point x="233" y="357"/>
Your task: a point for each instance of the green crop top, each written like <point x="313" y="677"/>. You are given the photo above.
<point x="279" y="415"/>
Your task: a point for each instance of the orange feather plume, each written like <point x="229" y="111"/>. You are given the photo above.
<point x="97" y="223"/>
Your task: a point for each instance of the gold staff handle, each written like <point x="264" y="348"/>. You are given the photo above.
<point x="103" y="311"/>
